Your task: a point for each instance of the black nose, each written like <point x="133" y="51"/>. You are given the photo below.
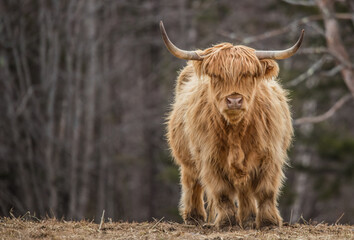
<point x="234" y="102"/>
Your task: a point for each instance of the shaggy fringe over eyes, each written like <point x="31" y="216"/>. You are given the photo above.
<point x="227" y="61"/>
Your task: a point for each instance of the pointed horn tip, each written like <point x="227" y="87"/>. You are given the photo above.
<point x="302" y="34"/>
<point x="282" y="54"/>
<point x="299" y="42"/>
<point x="162" y="28"/>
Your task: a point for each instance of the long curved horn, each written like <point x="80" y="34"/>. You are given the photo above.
<point x="186" y="55"/>
<point x="283" y="54"/>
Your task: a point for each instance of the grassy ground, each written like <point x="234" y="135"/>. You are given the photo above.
<point x="16" y="228"/>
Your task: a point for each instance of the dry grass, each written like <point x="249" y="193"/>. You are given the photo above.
<point x="31" y="228"/>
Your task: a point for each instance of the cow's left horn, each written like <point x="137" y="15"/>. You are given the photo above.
<point x="283" y="54"/>
<point x="186" y="55"/>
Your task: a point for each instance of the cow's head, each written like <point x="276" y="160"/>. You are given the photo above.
<point x="232" y="72"/>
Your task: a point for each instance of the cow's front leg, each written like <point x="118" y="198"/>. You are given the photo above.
<point x="267" y="185"/>
<point x="221" y="192"/>
<point x="192" y="204"/>
<point x="246" y="207"/>
<point x="225" y="209"/>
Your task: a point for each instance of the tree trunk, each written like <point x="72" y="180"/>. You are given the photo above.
<point x="334" y="42"/>
<point x="90" y="101"/>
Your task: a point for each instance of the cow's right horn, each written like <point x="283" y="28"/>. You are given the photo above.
<point x="283" y="54"/>
<point x="186" y="55"/>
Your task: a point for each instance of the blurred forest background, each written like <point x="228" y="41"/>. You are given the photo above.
<point x="85" y="87"/>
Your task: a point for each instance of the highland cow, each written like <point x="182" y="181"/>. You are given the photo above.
<point x="229" y="131"/>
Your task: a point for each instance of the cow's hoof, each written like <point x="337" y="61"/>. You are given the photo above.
<point x="194" y="219"/>
<point x="249" y="223"/>
<point x="226" y="222"/>
<point x="267" y="225"/>
<point x="208" y="225"/>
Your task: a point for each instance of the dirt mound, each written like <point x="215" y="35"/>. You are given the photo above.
<point x="14" y="228"/>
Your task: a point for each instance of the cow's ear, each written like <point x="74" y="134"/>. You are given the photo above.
<point x="270" y="68"/>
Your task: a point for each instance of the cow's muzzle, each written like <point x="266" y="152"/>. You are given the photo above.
<point x="234" y="101"/>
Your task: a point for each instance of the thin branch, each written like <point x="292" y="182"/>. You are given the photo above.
<point x="24" y="101"/>
<point x="156" y="223"/>
<point x="266" y="35"/>
<point x="342" y="59"/>
<point x="333" y="71"/>
<point x="276" y="32"/>
<point x="102" y="221"/>
<point x="313" y="50"/>
<point x="316" y="25"/>
<point x="302" y="3"/>
<point x="335" y="43"/>
<point x="311" y="71"/>
<point x="327" y="114"/>
<point x="351" y="4"/>
<point x="339" y="219"/>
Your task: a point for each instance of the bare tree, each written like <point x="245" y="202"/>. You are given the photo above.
<point x="85" y="85"/>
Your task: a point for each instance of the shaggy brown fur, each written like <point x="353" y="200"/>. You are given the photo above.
<point x="230" y="154"/>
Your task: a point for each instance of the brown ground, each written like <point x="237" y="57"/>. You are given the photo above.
<point x="16" y="228"/>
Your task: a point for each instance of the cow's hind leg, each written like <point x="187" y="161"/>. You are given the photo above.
<point x="192" y="204"/>
<point x="266" y="190"/>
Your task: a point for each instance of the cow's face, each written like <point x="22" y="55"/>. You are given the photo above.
<point x="235" y="73"/>
<point x="232" y="98"/>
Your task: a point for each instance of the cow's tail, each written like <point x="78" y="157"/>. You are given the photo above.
<point x="210" y="210"/>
